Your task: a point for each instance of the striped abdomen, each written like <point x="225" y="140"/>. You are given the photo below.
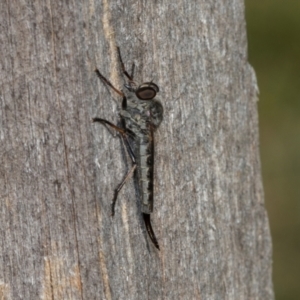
<point x="145" y="171"/>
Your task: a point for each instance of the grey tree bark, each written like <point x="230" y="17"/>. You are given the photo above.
<point x="58" y="171"/>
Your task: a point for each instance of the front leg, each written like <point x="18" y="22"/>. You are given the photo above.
<point x="124" y="137"/>
<point x="120" y="130"/>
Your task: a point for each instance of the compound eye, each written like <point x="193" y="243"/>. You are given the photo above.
<point x="147" y="91"/>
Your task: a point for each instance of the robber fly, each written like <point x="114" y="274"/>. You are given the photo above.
<point x="140" y="115"/>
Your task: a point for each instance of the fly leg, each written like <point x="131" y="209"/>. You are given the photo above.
<point x="130" y="77"/>
<point x="132" y="70"/>
<point x="106" y="81"/>
<point x="124" y="138"/>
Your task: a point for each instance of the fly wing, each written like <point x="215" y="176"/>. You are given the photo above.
<point x="150" y="164"/>
<point x="150" y="231"/>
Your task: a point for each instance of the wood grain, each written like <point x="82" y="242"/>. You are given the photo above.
<point x="58" y="170"/>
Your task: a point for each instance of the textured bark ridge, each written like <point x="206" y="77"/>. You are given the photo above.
<point x="58" y="170"/>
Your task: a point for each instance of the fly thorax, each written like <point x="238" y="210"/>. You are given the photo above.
<point x="137" y="114"/>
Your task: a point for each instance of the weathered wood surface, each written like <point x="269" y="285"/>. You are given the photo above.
<point x="58" y="170"/>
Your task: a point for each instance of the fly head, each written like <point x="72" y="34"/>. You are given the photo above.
<point x="146" y="91"/>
